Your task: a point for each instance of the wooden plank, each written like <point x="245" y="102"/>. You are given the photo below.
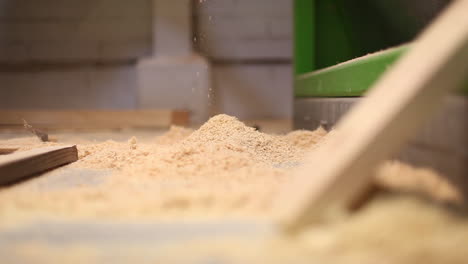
<point x="180" y="118"/>
<point x="4" y="150"/>
<point x="337" y="173"/>
<point x="93" y="119"/>
<point x="20" y="165"/>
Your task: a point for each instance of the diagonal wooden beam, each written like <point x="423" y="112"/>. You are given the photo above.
<point x="337" y="173"/>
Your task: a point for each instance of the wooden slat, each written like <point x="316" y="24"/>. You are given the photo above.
<point x="337" y="173"/>
<point x="93" y="119"/>
<point x="20" y="165"/>
<point x="180" y="118"/>
<point x="4" y="150"/>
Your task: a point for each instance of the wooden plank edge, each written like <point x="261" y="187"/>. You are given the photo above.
<point x="4" y="150"/>
<point x="93" y="119"/>
<point x="22" y="165"/>
<point x="180" y="118"/>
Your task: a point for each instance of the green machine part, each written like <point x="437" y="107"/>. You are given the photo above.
<point x="328" y="37"/>
<point x="327" y="32"/>
<point x="349" y="29"/>
<point x="350" y="78"/>
<point x="304" y="36"/>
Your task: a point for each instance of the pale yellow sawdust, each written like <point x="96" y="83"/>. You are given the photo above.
<point x="397" y="176"/>
<point x="111" y="154"/>
<point x="387" y="230"/>
<point x="305" y="138"/>
<point x="224" y="168"/>
<point x="174" y="135"/>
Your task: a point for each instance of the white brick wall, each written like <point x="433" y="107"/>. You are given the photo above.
<point x="248" y="30"/>
<point x="89" y="87"/>
<point x="107" y="30"/>
<point x="72" y="9"/>
<point x="57" y="30"/>
<point x="244" y="29"/>
<point x="72" y="31"/>
<point x="253" y="91"/>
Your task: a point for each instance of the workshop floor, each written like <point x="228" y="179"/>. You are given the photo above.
<point x="95" y="213"/>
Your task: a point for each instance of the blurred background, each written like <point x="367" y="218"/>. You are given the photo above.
<point x="104" y="73"/>
<point x="239" y="57"/>
<point x="118" y="54"/>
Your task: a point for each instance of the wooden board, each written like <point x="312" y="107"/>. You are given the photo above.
<point x="7" y="150"/>
<point x="20" y="165"/>
<point x="93" y="119"/>
<point x="337" y="174"/>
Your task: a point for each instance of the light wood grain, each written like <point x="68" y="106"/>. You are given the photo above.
<point x="337" y="173"/>
<point x="93" y="119"/>
<point x="20" y="165"/>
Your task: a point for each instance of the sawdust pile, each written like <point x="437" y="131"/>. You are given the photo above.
<point x="227" y="169"/>
<point x="223" y="168"/>
<point x="174" y="135"/>
<point x="111" y="154"/>
<point x="397" y="176"/>
<point x="223" y="143"/>
<point x="388" y="230"/>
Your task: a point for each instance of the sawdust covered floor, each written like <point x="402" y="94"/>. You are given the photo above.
<point x="223" y="168"/>
<point x="226" y="170"/>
